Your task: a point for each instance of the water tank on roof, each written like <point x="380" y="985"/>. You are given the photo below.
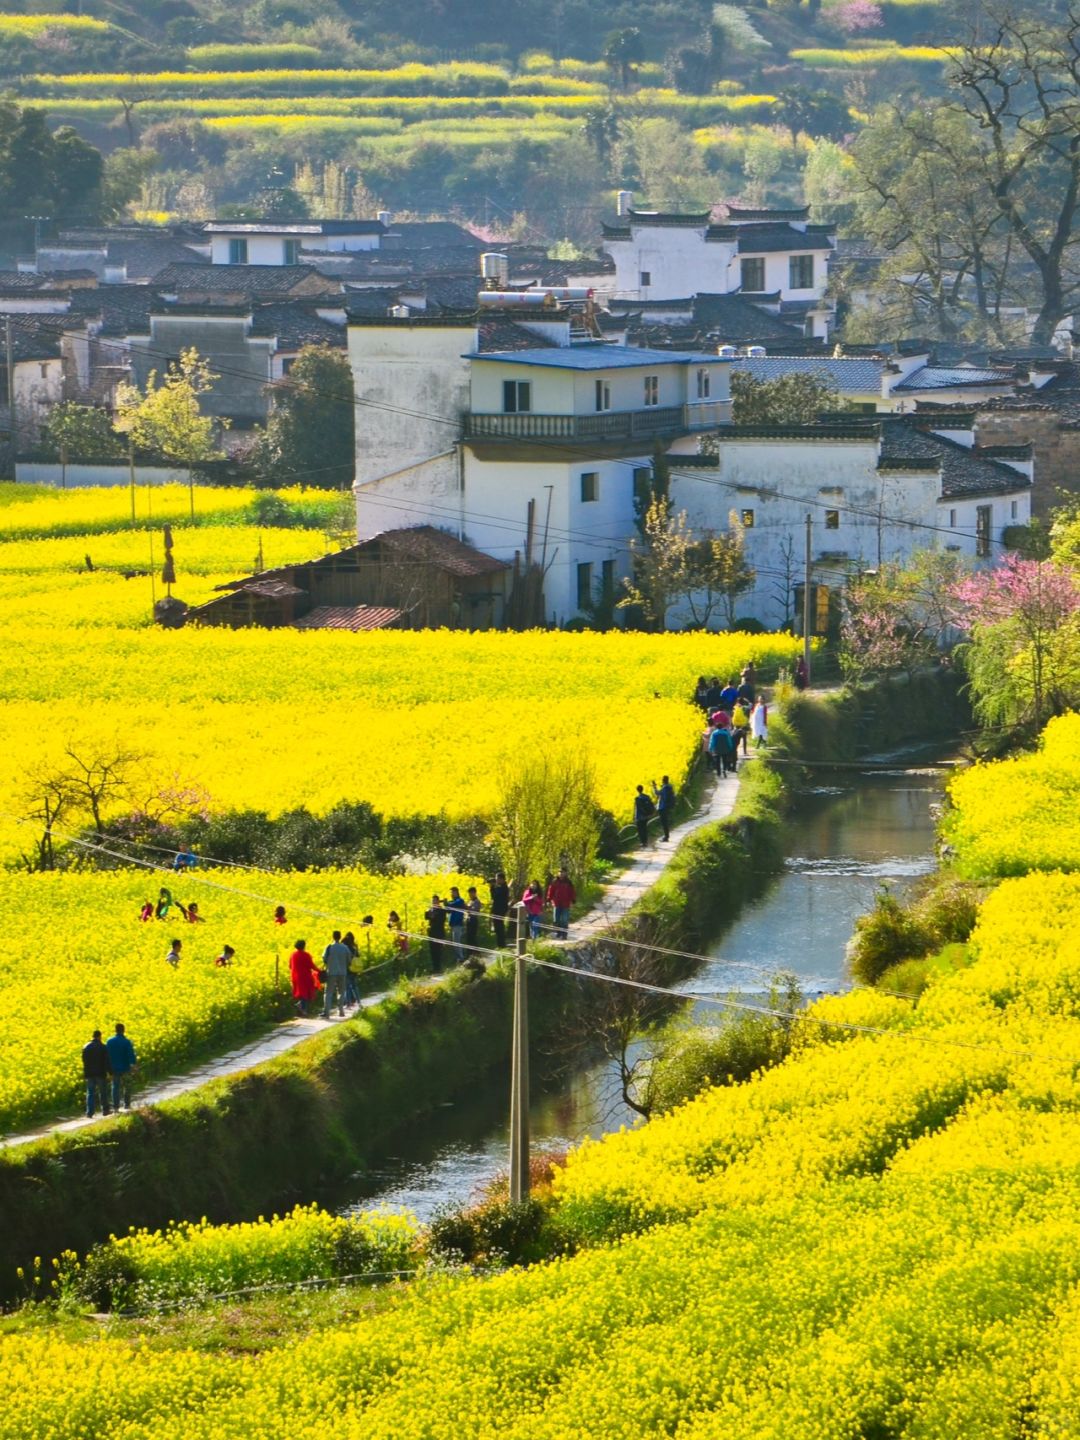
<point x="726" y="352"/>
<point x="399" y="312"/>
<point x="624" y="202"/>
<point x="514" y="299"/>
<point x="495" y="269"/>
<point x="385" y="217"/>
<point x="756" y="352"/>
<point x="567" y="292"/>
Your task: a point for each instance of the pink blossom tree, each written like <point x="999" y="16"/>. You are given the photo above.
<point x="855" y="17"/>
<point x="1023" y="619"/>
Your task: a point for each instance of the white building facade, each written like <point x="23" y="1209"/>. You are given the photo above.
<point x="531" y="454"/>
<point x="758" y="254"/>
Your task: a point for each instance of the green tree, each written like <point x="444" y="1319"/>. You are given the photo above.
<point x="547" y="815"/>
<point x="661" y="563"/>
<point x="717" y="573"/>
<point x="166" y="420"/>
<point x="624" y="51"/>
<point x="80" y="433"/>
<point x="795" y="399"/>
<point x="55" y="174"/>
<point x="310" y="437"/>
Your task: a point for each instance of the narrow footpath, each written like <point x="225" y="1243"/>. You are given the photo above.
<point x="619" y="897"/>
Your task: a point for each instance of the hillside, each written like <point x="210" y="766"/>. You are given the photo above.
<point x="323" y="108"/>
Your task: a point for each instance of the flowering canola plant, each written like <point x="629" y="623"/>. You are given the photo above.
<point x="78" y="959"/>
<point x="1012" y="816"/>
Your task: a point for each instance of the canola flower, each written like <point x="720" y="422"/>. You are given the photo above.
<point x="878" y="1236"/>
<point x="79" y="959"/>
<point x="1012" y="816"/>
<point x="190" y="1260"/>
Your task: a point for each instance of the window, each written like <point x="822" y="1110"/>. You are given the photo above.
<point x="748" y="519"/>
<point x="603" y="395"/>
<point x="753" y="275"/>
<point x="821" y="609"/>
<point x="983" y="514"/>
<point x="832" y="519"/>
<point x="584" y="586"/>
<point x="44" y="368"/>
<point x="287" y="364"/>
<point x="704" y="384"/>
<point x="517" y="397"/>
<point x="607" y="579"/>
<point x="291" y="252"/>
<point x="1014" y="508"/>
<point x="652" y="390"/>
<point x="238" y="252"/>
<point x="952" y="519"/>
<point x="642" y="485"/>
<point x="801" y="272"/>
<point x="646" y="279"/>
<point x="590" y="485"/>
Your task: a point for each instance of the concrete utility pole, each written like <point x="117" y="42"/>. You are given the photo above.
<point x="10" y="378"/>
<point x="806" y="596"/>
<point x="519" y="1074"/>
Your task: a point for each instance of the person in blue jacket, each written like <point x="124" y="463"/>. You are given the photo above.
<point x="122" y="1062"/>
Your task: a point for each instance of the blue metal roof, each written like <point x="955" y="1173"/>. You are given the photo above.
<point x="941" y="377"/>
<point x="597" y="357"/>
<point x="846" y="374"/>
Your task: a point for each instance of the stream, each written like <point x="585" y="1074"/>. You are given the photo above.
<point x="851" y="833"/>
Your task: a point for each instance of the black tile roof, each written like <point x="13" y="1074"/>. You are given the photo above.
<point x="121" y="309"/>
<point x="297" y="323"/>
<point x="34" y="337"/>
<point x="738" y="321"/>
<point x="423" y="234"/>
<point x="963" y="471"/>
<point x="249" y="281"/>
<point x="499" y="332"/>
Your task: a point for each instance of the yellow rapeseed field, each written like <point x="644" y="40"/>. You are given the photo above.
<point x="79" y="958"/>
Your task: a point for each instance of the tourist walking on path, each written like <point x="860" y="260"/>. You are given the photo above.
<point x="336" y="959"/>
<point x="500" y="907"/>
<point x="455" y="914"/>
<point x="802" y="675"/>
<point x="759" y="723"/>
<point x="472" y="921"/>
<point x="533" y="902"/>
<point x="95" y="1064"/>
<point x="304" y="975"/>
<point x="122" y="1062"/>
<point x="740" y="724"/>
<point x="643" y="812"/>
<point x="352" y="990"/>
<point x="561" y="896"/>
<point x="173" y="957"/>
<point x="665" y="804"/>
<point x="436" y="929"/>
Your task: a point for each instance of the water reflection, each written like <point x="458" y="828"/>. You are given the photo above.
<point x="846" y="838"/>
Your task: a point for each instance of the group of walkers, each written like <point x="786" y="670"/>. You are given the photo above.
<point x="338" y="976"/>
<point x="453" y="922"/>
<point x="735" y="714"/>
<point x="108" y="1066"/>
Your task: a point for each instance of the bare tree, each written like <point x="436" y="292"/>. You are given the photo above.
<point x="45" y="798"/>
<point x="94" y="776"/>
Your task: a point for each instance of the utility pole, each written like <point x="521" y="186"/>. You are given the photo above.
<point x="10" y="381"/>
<point x="806" y="596"/>
<point x="131" y="474"/>
<point x="519" y="1075"/>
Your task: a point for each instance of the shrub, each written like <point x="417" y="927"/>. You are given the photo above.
<point x="885" y="936"/>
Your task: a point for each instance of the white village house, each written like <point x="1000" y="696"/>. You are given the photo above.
<point x="528" y="443"/>
<point x="775" y="256"/>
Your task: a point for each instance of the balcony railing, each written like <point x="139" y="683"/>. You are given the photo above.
<point x="608" y="425"/>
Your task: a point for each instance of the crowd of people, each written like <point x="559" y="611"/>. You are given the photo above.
<point x="735" y="714"/>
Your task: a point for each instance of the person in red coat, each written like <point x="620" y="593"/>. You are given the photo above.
<point x="304" y="974"/>
<point x="561" y="896"/>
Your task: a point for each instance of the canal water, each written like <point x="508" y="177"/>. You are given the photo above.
<point x="850" y="834"/>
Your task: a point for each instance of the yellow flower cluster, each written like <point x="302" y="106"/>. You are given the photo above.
<point x="78" y="958"/>
<point x="1012" y="816"/>
<point x="37" y="512"/>
<point x="191" y="1260"/>
<point x="35" y="24"/>
<point x="877" y="1237"/>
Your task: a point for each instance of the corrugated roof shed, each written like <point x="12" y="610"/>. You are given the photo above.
<point x="348" y="617"/>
